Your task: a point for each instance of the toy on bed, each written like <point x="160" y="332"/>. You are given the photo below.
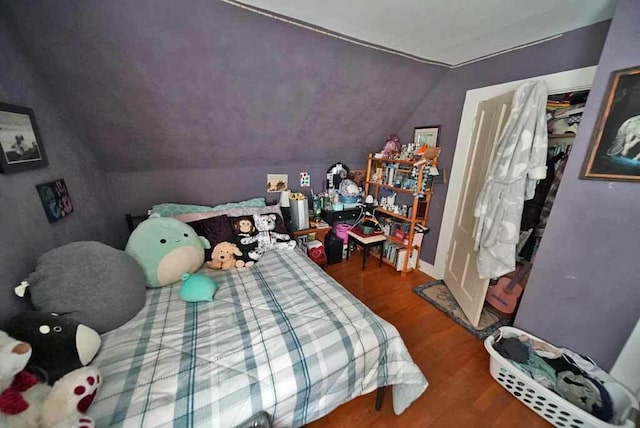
<point x="59" y="343"/>
<point x="226" y="255"/>
<point x="243" y="227"/>
<point x="26" y="402"/>
<point x="198" y="288"/>
<point x="166" y="248"/>
<point x="266" y="238"/>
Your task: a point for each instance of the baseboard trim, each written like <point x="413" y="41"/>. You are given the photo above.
<point x="428" y="268"/>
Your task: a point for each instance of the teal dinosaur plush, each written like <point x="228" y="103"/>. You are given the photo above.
<point x="166" y="248"/>
<point x="198" y="288"/>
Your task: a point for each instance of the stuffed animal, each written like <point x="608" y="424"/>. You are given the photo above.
<point x="166" y="248"/>
<point x="243" y="227"/>
<point x="391" y="146"/>
<point x="224" y="257"/>
<point x="26" y="403"/>
<point x="198" y="288"/>
<point x="266" y="238"/>
<point x="59" y="344"/>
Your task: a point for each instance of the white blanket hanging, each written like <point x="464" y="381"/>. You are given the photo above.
<point x="518" y="164"/>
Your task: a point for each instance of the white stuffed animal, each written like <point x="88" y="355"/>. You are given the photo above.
<point x="266" y="238"/>
<point x="27" y="403"/>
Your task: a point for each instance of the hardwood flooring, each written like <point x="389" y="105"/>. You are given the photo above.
<point x="461" y="391"/>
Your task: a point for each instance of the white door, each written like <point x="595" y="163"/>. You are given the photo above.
<point x="461" y="273"/>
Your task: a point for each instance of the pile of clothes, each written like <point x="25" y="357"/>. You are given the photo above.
<point x="564" y="113"/>
<point x="573" y="377"/>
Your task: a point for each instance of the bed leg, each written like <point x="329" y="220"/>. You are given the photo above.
<point x="379" y="397"/>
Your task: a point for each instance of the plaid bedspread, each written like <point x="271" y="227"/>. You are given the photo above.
<point x="281" y="336"/>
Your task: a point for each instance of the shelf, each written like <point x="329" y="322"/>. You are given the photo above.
<point x="561" y="135"/>
<point x="392" y="214"/>
<point x="397" y="189"/>
<point x="399" y="242"/>
<point x="399" y="161"/>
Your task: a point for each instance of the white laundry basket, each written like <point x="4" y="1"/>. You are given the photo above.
<point x="546" y="403"/>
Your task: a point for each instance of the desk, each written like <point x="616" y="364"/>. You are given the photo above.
<point x="366" y="242"/>
<point x="320" y="232"/>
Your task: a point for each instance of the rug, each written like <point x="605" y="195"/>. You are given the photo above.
<point x="439" y="296"/>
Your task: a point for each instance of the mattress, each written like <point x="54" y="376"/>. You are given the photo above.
<point x="281" y="336"/>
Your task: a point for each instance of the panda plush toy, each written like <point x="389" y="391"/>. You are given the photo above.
<point x="59" y="344"/>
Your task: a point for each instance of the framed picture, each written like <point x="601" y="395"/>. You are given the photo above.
<point x="277" y="182"/>
<point x="426" y="135"/>
<point x="56" y="200"/>
<point x="20" y="140"/>
<point x="614" y="152"/>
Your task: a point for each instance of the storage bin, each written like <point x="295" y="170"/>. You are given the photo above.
<point x="546" y="403"/>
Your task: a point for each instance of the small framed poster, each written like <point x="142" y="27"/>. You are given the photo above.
<point x="277" y="182"/>
<point x="426" y="135"/>
<point x="56" y="200"/>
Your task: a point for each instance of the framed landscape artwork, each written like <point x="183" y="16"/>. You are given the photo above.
<point x="614" y="152"/>
<point x="426" y="135"/>
<point x="20" y="143"/>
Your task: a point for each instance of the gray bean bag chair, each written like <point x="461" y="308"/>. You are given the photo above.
<point x="95" y="284"/>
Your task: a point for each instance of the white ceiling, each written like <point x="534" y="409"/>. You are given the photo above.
<point x="447" y="31"/>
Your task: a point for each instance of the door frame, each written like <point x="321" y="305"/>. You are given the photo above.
<point x="566" y="81"/>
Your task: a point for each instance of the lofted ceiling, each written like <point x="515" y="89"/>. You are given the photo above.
<point x="444" y="31"/>
<point x="169" y="85"/>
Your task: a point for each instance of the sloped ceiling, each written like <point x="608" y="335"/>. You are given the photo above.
<point x="166" y="85"/>
<point x="152" y="85"/>
<point x="446" y="31"/>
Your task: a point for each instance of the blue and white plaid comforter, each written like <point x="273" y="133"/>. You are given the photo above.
<point x="281" y="336"/>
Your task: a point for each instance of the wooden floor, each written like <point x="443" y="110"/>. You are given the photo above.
<point x="461" y="392"/>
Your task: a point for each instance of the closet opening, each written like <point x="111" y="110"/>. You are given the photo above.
<point x="564" y="112"/>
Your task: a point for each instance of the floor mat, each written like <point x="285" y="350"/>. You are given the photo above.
<point x="439" y="296"/>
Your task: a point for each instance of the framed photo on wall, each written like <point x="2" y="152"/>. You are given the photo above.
<point x="426" y="135"/>
<point x="21" y="147"/>
<point x="614" y="151"/>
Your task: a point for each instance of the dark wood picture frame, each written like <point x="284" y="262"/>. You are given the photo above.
<point x="21" y="147"/>
<point x="614" y="151"/>
<point x="431" y="128"/>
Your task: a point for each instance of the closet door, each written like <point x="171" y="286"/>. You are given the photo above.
<point x="461" y="273"/>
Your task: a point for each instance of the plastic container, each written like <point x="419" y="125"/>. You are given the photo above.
<point x="546" y="403"/>
<point x="341" y="232"/>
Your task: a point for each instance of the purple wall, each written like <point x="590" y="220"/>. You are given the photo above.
<point x="443" y="105"/>
<point x="24" y="228"/>
<point x="212" y="92"/>
<point x="583" y="291"/>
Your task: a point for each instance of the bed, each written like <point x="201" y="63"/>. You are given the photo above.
<point x="281" y="337"/>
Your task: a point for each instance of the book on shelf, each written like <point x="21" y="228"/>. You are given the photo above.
<point x="413" y="259"/>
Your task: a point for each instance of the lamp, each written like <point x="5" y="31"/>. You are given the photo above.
<point x="284" y="198"/>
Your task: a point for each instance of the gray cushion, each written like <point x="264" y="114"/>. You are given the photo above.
<point x="90" y="282"/>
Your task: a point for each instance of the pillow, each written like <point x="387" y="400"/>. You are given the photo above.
<point x="172" y="209"/>
<point x="215" y="229"/>
<point x="94" y="284"/>
<point x="230" y="212"/>
<point x="166" y="248"/>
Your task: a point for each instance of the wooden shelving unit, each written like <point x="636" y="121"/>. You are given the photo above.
<point x="372" y="187"/>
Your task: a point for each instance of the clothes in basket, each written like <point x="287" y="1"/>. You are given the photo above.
<point x="573" y="377"/>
